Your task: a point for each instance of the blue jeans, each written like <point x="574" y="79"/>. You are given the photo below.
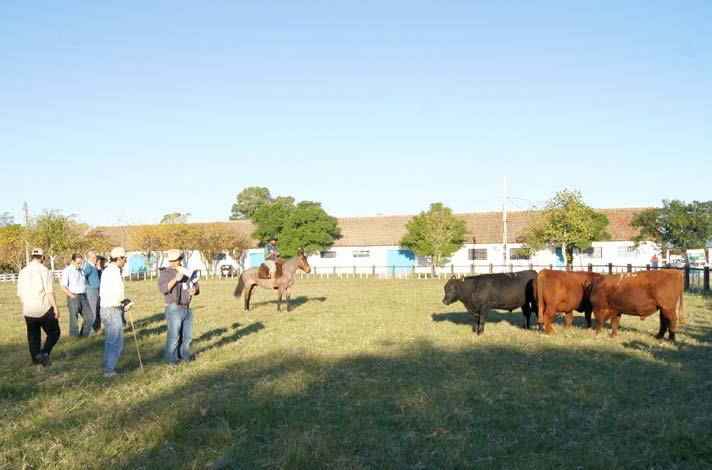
<point x="113" y="337"/>
<point x="180" y="333"/>
<point x="93" y="299"/>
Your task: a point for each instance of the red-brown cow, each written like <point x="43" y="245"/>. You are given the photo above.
<point x="563" y="291"/>
<point x="642" y="293"/>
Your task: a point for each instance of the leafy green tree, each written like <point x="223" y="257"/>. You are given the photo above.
<point x="675" y="225"/>
<point x="12" y="248"/>
<point x="249" y="201"/>
<point x="436" y="233"/>
<point x="304" y="226"/>
<point x="175" y="218"/>
<point x="6" y="219"/>
<point x="58" y="234"/>
<point x="568" y="222"/>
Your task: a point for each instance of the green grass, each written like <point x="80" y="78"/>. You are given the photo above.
<point x="361" y="374"/>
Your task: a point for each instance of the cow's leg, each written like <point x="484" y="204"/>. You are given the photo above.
<point x="484" y="312"/>
<point x="600" y="320"/>
<point x="527" y="313"/>
<point x="663" y="326"/>
<point x="615" y="321"/>
<point x="671" y="316"/>
<point x="569" y="319"/>
<point x="587" y="314"/>
<point x="548" y="320"/>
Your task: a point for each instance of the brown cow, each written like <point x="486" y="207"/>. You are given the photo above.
<point x="642" y="294"/>
<point x="562" y="291"/>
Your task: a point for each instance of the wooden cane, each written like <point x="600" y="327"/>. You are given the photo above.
<point x="133" y="330"/>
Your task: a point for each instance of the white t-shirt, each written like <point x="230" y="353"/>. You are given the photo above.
<point x="34" y="284"/>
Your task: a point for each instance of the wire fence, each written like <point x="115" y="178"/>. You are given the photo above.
<point x="696" y="278"/>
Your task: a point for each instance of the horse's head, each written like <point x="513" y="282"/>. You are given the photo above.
<point x="303" y="263"/>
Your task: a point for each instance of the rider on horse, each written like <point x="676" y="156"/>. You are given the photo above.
<point x="271" y="255"/>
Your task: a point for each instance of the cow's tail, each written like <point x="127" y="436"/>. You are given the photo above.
<point x="239" y="287"/>
<point x="681" y="304"/>
<point x="539" y="298"/>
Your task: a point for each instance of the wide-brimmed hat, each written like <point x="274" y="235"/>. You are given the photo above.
<point x="174" y="255"/>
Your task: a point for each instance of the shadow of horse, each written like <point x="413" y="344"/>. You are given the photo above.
<point x="237" y="335"/>
<point x="296" y="302"/>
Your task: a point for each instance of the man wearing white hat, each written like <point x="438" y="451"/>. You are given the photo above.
<point x="39" y="307"/>
<point x="178" y="291"/>
<point x="111" y="293"/>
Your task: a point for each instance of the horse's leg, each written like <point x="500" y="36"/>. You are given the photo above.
<point x="280" y="291"/>
<point x="248" y="295"/>
<point x="288" y="295"/>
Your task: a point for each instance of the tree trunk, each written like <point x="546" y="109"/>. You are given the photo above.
<point x="569" y="250"/>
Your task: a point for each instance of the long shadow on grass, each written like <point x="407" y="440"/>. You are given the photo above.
<point x="228" y="339"/>
<point x="295" y="302"/>
<point x="514" y="318"/>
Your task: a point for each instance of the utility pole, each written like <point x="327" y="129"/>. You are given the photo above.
<point x="504" y="224"/>
<point x="27" y="230"/>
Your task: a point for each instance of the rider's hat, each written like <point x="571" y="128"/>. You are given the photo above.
<point x="272" y="238"/>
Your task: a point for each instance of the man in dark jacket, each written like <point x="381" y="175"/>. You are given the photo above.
<point x="178" y="290"/>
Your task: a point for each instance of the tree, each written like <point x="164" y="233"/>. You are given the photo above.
<point x="217" y="237"/>
<point x="178" y="235"/>
<point x="675" y="225"/>
<point x="436" y="233"/>
<point x="146" y="239"/>
<point x="6" y="219"/>
<point x="57" y="234"/>
<point x="175" y="218"/>
<point x="304" y="226"/>
<point x="12" y="247"/>
<point x="567" y="222"/>
<point x="95" y="240"/>
<point x="249" y="201"/>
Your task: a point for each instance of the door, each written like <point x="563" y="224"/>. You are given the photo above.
<point x="403" y="260"/>
<point x="560" y="261"/>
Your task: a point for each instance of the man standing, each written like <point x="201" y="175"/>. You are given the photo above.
<point x="73" y="284"/>
<point x="91" y="274"/>
<point x="178" y="292"/>
<point x="111" y="293"/>
<point x="39" y="307"/>
<point x="271" y="255"/>
<point x="654" y="261"/>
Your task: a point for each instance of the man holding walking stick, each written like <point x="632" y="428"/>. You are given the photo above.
<point x="111" y="295"/>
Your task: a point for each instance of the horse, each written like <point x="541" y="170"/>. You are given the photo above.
<point x="248" y="280"/>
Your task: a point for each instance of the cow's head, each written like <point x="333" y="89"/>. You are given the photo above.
<point x="452" y="290"/>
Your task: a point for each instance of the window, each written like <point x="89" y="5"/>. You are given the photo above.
<point x="518" y="253"/>
<point x="593" y="252"/>
<point x="477" y="254"/>
<point x="362" y="254"/>
<point x="328" y="254"/>
<point x="625" y="251"/>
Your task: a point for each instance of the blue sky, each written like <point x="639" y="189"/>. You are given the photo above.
<point x="122" y="113"/>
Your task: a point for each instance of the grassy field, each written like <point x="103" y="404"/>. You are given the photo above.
<point x="360" y="374"/>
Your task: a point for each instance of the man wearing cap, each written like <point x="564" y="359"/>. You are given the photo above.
<point x="91" y="274"/>
<point x="39" y="307"/>
<point x="111" y="293"/>
<point x="271" y="255"/>
<point x="178" y="292"/>
<point x="73" y="284"/>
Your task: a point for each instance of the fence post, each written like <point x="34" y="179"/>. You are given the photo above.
<point x="610" y="269"/>
<point x="511" y="267"/>
<point x="629" y="268"/>
<point x="333" y="270"/>
<point x="590" y="267"/>
<point x="491" y="268"/>
<point x="551" y="266"/>
<point x="706" y="279"/>
<point x="393" y="271"/>
<point x="452" y="270"/>
<point x="647" y="267"/>
<point x="531" y="266"/>
<point x="687" y="276"/>
<point x="373" y="270"/>
<point x="472" y="268"/>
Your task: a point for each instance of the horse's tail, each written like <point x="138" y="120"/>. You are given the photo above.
<point x="681" y="303"/>
<point x="239" y="287"/>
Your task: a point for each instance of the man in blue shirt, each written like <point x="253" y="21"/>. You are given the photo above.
<point x="73" y="284"/>
<point x="271" y="255"/>
<point x="91" y="274"/>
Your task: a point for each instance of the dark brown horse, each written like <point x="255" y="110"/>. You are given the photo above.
<point x="248" y="280"/>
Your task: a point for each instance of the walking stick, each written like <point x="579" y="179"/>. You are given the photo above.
<point x="133" y="330"/>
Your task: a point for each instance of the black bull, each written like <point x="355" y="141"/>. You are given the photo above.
<point x="506" y="291"/>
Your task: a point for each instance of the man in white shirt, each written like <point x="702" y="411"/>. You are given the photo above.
<point x="111" y="293"/>
<point x="73" y="283"/>
<point x="39" y="307"/>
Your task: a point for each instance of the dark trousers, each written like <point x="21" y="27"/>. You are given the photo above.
<point x="50" y="325"/>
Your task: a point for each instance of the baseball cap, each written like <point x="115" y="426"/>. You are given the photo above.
<point x="37" y="252"/>
<point x="117" y="252"/>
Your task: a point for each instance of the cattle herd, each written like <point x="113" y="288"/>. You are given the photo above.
<point x="550" y="292"/>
